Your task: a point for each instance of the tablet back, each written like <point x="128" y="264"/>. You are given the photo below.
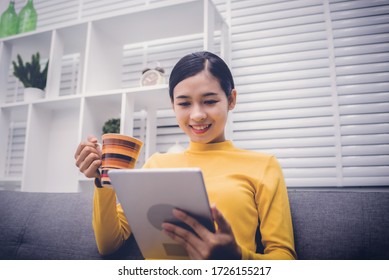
<point x="148" y="197"/>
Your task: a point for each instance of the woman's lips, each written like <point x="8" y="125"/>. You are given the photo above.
<point x="200" y="129"/>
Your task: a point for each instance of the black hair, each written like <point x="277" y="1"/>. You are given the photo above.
<point x="194" y="63"/>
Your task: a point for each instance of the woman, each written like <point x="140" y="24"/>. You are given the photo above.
<point x="246" y="189"/>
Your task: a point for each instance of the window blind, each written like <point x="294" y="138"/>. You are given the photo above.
<point x="69" y="74"/>
<point x="282" y="69"/>
<point x="361" y="50"/>
<point x="313" y="83"/>
<point x="15" y="149"/>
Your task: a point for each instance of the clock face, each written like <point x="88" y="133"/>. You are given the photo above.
<point x="150" y="78"/>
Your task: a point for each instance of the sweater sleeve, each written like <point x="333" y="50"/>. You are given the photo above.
<point x="274" y="215"/>
<point x="109" y="222"/>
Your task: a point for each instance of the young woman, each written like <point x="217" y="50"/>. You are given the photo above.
<point x="246" y="189"/>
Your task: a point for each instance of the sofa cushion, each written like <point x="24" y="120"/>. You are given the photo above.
<point x="50" y="226"/>
<point x="340" y="224"/>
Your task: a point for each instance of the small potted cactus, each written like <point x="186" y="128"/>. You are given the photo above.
<point x="32" y="77"/>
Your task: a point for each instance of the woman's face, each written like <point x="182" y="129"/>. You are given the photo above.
<point x="201" y="107"/>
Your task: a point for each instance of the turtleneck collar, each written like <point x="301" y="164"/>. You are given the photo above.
<point x="220" y="146"/>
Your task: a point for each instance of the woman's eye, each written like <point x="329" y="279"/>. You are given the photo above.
<point x="210" y="102"/>
<point x="184" y="104"/>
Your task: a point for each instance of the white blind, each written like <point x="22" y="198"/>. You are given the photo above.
<point x="14" y="88"/>
<point x="104" y="7"/>
<point x="15" y="149"/>
<point x="69" y="74"/>
<point x="282" y="69"/>
<point x="361" y="44"/>
<point x="313" y="82"/>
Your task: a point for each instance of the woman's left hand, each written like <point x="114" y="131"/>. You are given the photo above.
<point x="206" y="244"/>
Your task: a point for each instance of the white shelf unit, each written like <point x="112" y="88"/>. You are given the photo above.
<point x="55" y="125"/>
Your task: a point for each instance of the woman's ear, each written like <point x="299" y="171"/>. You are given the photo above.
<point x="232" y="100"/>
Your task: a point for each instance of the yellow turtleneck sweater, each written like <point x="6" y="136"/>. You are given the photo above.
<point x="246" y="186"/>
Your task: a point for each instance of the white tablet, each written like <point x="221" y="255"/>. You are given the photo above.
<point x="148" y="197"/>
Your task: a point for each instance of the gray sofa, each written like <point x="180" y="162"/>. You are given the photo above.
<point x="328" y="224"/>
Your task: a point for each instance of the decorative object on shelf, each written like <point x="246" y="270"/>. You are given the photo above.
<point x="111" y="126"/>
<point x="9" y="21"/>
<point x="152" y="77"/>
<point x="31" y="76"/>
<point x="176" y="148"/>
<point x="27" y="17"/>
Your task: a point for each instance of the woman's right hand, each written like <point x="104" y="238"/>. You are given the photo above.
<point x="88" y="157"/>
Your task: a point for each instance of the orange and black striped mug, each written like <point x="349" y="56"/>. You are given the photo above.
<point x="119" y="151"/>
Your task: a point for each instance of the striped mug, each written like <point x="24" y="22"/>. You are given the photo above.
<point x="118" y="151"/>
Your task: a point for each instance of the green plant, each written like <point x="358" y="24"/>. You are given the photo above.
<point x="30" y="74"/>
<point x="112" y="126"/>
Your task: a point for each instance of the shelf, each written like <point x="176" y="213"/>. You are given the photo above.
<point x="82" y="178"/>
<point x="10" y="184"/>
<point x="50" y="144"/>
<point x="73" y="38"/>
<point x="93" y="61"/>
<point x="156" y="97"/>
<point x="13" y="105"/>
<point x="12" y="181"/>
<point x="27" y="45"/>
<point x="144" y="97"/>
<point x="60" y="103"/>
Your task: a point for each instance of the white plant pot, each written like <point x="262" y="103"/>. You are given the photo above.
<point x="31" y="94"/>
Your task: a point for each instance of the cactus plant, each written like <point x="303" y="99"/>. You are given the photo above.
<point x="30" y="74"/>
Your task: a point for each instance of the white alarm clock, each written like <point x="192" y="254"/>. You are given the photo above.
<point x="152" y="77"/>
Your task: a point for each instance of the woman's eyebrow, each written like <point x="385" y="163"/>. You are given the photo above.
<point x="183" y="96"/>
<point x="210" y="94"/>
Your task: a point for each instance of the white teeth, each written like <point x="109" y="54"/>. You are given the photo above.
<point x="200" y="127"/>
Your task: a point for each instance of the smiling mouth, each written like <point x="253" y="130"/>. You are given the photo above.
<point x="199" y="129"/>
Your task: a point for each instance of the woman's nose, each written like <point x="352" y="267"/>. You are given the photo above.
<point x="198" y="114"/>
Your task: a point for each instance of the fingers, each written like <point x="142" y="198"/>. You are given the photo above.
<point x="192" y="222"/>
<point x="85" y="149"/>
<point x="204" y="245"/>
<point x="198" y="246"/>
<point x="91" y="141"/>
<point x="90" y="165"/>
<point x="181" y="237"/>
<point x="223" y="225"/>
<point x="88" y="157"/>
<point x="81" y="147"/>
<point x="190" y="241"/>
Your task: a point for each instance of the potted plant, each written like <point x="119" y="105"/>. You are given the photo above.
<point x="30" y="74"/>
<point x="111" y="126"/>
